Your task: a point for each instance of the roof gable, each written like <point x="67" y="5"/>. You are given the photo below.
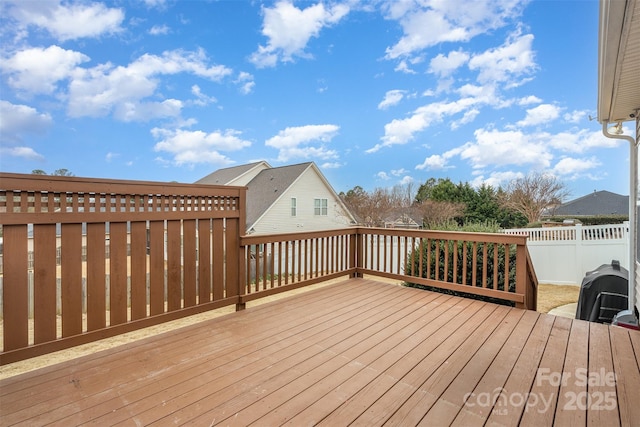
<point x="229" y="176"/>
<point x="268" y="186"/>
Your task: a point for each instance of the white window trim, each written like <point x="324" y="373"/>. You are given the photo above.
<point x="322" y="209"/>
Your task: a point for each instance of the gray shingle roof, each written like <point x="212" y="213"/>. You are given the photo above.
<point x="596" y="203"/>
<point x="226" y="175"/>
<point x="267" y="186"/>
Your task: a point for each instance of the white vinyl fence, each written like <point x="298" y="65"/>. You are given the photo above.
<point x="563" y="255"/>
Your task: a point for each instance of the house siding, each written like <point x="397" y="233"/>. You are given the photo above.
<point x="308" y="187"/>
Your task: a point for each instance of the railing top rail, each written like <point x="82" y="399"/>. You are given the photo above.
<point x="64" y="185"/>
<point x="254" y="239"/>
<point x="448" y="235"/>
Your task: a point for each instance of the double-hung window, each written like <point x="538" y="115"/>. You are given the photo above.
<point x="320" y="207"/>
<point x="294" y="206"/>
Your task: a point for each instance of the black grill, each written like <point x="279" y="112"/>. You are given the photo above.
<point x="604" y="292"/>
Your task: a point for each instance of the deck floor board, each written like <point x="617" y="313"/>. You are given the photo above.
<point x="358" y="352"/>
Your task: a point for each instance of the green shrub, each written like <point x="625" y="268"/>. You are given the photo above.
<point x="429" y="267"/>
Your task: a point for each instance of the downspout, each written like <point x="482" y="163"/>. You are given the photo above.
<point x="633" y="203"/>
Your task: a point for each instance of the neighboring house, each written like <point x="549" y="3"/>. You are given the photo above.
<point x="403" y="220"/>
<point x="285" y="199"/>
<point x="596" y="203"/>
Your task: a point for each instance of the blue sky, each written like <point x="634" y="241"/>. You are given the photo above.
<point x="377" y="93"/>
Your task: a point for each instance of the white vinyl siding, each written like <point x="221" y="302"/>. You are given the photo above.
<point x="308" y="187"/>
<point x="320" y="207"/>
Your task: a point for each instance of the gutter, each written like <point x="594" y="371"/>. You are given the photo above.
<point x="633" y="207"/>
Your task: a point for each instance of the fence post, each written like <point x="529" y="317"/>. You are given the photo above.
<point x="355" y="252"/>
<point x="578" y="251"/>
<point x="521" y="273"/>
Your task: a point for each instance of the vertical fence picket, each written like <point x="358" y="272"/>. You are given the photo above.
<point x="217" y="255"/>
<point x="157" y="267"/>
<point x="174" y="260"/>
<point x="71" y="279"/>
<point x="118" y="294"/>
<point x="44" y="283"/>
<point x="189" y="262"/>
<point x="15" y="285"/>
<point x="138" y="267"/>
<point x="204" y="260"/>
<point x="96" y="285"/>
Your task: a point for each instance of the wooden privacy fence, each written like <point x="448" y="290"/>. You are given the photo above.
<point x="173" y="251"/>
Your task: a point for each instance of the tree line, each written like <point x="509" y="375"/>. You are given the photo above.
<point x="438" y="202"/>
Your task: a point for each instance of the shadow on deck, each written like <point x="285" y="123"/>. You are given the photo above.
<point x="357" y="351"/>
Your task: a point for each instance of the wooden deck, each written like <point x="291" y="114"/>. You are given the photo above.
<point x="361" y="352"/>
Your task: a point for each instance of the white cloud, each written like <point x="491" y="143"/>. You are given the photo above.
<point x="445" y="65"/>
<point x="404" y="67"/>
<point x="433" y="162"/>
<point x="246" y="82"/>
<point x="145" y="111"/>
<point x="573" y="167"/>
<point x="331" y="165"/>
<point x="24" y="152"/>
<point x="575" y="116"/>
<point x="289" y="30"/>
<point x="499" y="148"/>
<point x="468" y="117"/>
<point x="579" y="141"/>
<point x="202" y="99"/>
<point x="38" y="70"/>
<point x="104" y="89"/>
<point x="110" y="156"/>
<point x="383" y="176"/>
<point x="401" y="131"/>
<point x="438" y="161"/>
<point x="391" y="98"/>
<point x="543" y="113"/>
<point x="294" y="142"/>
<point x="528" y="100"/>
<point x="191" y="147"/>
<point x="17" y="120"/>
<point x="158" y="30"/>
<point x="426" y="24"/>
<point x="66" y="21"/>
<point x="496" y="179"/>
<point x="514" y="59"/>
<point x="155" y="3"/>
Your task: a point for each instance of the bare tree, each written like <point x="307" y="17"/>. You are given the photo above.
<point x="373" y="208"/>
<point x="533" y="194"/>
<point x="434" y="213"/>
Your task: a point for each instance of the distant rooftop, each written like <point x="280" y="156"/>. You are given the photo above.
<point x="596" y="203"/>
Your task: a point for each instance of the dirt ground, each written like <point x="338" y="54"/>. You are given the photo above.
<point x="549" y="297"/>
<point x="552" y="296"/>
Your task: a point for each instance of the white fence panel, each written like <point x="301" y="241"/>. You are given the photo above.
<point x="563" y="255"/>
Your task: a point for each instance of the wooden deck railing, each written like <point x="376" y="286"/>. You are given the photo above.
<point x="276" y="263"/>
<point x="486" y="264"/>
<point x="84" y="259"/>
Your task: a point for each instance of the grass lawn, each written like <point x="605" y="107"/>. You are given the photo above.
<point x="552" y="296"/>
